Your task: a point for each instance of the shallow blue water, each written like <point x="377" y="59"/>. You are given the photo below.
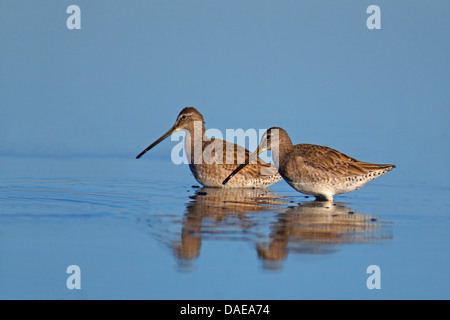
<point x="77" y="106"/>
<point x="143" y="229"/>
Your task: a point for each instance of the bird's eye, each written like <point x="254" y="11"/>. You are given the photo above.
<point x="183" y="117"/>
<point x="268" y="137"/>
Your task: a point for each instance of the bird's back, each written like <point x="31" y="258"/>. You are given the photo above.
<point x="314" y="169"/>
<point x="220" y="158"/>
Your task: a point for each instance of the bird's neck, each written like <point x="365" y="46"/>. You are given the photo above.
<point x="278" y="154"/>
<point x="193" y="142"/>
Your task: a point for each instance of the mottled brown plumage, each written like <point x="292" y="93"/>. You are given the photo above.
<point x="212" y="160"/>
<point x="316" y="170"/>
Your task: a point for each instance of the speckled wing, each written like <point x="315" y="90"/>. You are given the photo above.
<point x="314" y="161"/>
<point x="234" y="155"/>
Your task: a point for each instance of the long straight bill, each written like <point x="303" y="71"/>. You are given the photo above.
<point x="164" y="136"/>
<point x="250" y="159"/>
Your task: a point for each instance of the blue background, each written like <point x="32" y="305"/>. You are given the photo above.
<point x="312" y="68"/>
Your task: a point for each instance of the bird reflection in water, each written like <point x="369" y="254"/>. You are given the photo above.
<point x="224" y="214"/>
<point x="269" y="220"/>
<point x="318" y="227"/>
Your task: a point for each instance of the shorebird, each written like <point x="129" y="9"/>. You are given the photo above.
<point x="315" y="170"/>
<point x="212" y="160"/>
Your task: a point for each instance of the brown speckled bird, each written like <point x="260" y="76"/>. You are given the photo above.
<point x="315" y="170"/>
<point x="212" y="160"/>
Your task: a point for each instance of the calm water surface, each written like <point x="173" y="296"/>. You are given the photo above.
<point x="146" y="230"/>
